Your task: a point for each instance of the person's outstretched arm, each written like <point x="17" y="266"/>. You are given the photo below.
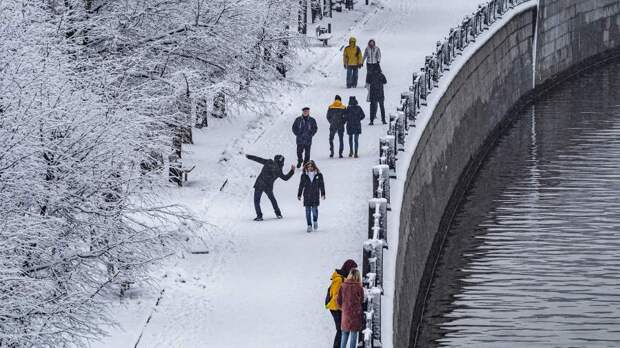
<point x="288" y="175"/>
<point x="256" y="159"/>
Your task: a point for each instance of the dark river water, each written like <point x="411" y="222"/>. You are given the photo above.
<point x="533" y="256"/>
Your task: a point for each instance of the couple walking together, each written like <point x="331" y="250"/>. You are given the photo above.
<point x="344" y="300"/>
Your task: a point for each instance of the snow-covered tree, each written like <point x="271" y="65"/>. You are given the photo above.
<point x="89" y="90"/>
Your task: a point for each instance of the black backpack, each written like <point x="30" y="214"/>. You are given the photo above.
<point x="328" y="297"/>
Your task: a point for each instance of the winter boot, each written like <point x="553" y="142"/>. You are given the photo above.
<point x="309" y="229"/>
<point x="279" y="216"/>
<point x="340" y="155"/>
<point x="316" y="226"/>
<point x="331" y="155"/>
<point x="351" y="154"/>
<point x="258" y="218"/>
<point x="299" y="162"/>
<point x="355" y="155"/>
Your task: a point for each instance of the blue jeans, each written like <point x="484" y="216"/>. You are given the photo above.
<point x="354" y="143"/>
<point x="310" y="213"/>
<point x="352" y="77"/>
<point x="345" y="337"/>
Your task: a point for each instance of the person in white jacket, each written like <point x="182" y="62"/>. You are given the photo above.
<point x="372" y="57"/>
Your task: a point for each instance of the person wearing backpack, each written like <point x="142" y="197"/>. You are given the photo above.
<point x="336" y="119"/>
<point x="331" y="302"/>
<point x="354" y="116"/>
<point x="312" y="187"/>
<point x="353" y="60"/>
<point x="351" y="301"/>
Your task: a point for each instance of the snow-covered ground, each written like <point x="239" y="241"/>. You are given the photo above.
<point x="263" y="284"/>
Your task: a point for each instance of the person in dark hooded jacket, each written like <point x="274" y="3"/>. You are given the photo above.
<point x="376" y="95"/>
<point x="331" y="302"/>
<point x="272" y="170"/>
<point x="354" y="116"/>
<point x="336" y="118"/>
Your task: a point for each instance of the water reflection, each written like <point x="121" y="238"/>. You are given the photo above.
<point x="533" y="256"/>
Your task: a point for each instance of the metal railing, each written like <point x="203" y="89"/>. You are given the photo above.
<point x="412" y="101"/>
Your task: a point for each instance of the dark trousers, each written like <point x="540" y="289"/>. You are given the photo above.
<point x="303" y="151"/>
<point x="352" y="76"/>
<point x="337" y="320"/>
<point x="373" y="110"/>
<point x="257" y="196"/>
<point x="353" y="143"/>
<point x="332" y="134"/>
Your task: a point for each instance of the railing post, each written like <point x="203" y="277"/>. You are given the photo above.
<point x="381" y="183"/>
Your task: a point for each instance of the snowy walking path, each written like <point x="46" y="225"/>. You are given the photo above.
<point x="263" y="284"/>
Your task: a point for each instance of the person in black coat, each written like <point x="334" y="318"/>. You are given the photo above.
<point x="336" y="119"/>
<point x="376" y="94"/>
<point x="304" y="129"/>
<point x="312" y="187"/>
<point x="354" y="116"/>
<point x="272" y="170"/>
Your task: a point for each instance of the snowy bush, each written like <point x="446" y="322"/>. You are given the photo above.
<point x="88" y="92"/>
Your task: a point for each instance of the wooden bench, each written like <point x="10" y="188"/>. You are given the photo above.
<point x="323" y="34"/>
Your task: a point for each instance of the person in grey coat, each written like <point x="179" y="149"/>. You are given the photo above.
<point x="354" y="116"/>
<point x="372" y="57"/>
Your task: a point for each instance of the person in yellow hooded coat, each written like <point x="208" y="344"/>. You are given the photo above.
<point x="353" y="60"/>
<point x="331" y="302"/>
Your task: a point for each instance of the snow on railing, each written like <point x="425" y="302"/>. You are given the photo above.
<point x="412" y="101"/>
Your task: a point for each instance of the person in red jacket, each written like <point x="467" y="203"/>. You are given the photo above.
<point x="331" y="302"/>
<point x="350" y="300"/>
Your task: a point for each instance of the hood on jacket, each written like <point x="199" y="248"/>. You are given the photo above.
<point x="373" y="41"/>
<point x="352" y="41"/>
<point x="352" y="100"/>
<point x="279" y="159"/>
<point x="337" y="104"/>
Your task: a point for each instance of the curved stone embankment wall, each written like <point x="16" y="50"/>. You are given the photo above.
<point x="472" y="108"/>
<point x="573" y="34"/>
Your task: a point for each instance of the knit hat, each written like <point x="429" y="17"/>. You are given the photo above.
<point x="305" y="108"/>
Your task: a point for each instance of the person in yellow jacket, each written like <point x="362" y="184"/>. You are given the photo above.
<point x="331" y="303"/>
<point x="352" y="59"/>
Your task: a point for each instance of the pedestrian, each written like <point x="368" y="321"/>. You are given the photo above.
<point x="304" y="129"/>
<point x="372" y="57"/>
<point x="336" y="118"/>
<point x="272" y="170"/>
<point x="331" y="302"/>
<point x="376" y="94"/>
<point x="353" y="60"/>
<point x="354" y="116"/>
<point x="312" y="189"/>
<point x="351" y="300"/>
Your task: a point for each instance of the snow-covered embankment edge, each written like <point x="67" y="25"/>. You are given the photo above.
<point x="413" y="138"/>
